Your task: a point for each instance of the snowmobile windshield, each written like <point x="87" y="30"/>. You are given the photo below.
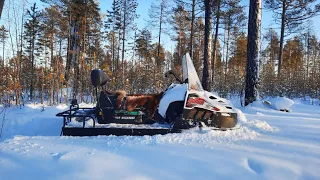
<point x="190" y="74"/>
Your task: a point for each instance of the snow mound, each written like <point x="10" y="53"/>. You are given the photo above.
<point x="86" y="105"/>
<point x="205" y="136"/>
<point x="62" y="106"/>
<point x="253" y="124"/>
<point x="262" y="125"/>
<point x="281" y="103"/>
<point x="240" y="115"/>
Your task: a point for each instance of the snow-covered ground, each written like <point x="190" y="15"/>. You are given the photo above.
<point x="268" y="145"/>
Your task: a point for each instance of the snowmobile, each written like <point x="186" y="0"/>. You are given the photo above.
<point x="183" y="105"/>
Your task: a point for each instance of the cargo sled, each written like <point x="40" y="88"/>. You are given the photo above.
<point x="182" y="105"/>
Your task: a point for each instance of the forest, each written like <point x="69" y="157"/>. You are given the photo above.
<point x="46" y="52"/>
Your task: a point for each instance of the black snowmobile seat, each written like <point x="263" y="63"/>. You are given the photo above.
<point x="98" y="78"/>
<point x="107" y="104"/>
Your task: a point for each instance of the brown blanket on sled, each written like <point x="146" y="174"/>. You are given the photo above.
<point x="148" y="101"/>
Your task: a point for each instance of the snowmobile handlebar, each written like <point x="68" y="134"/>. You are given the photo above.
<point x="174" y="74"/>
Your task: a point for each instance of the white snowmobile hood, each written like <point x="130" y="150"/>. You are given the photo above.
<point x="175" y="92"/>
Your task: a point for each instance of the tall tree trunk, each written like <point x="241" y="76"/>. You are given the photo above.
<point x="3" y="44"/>
<point x="118" y="50"/>
<point x="113" y="51"/>
<point x="32" y="63"/>
<point x="123" y="40"/>
<point x="52" y="66"/>
<point x="157" y="60"/>
<point x="113" y="42"/>
<point x="207" y="44"/>
<point x="192" y="26"/>
<point x="20" y="67"/>
<point x="227" y="50"/>
<point x="160" y="26"/>
<point x="1" y="6"/>
<point x="253" y="46"/>
<point x="215" y="40"/>
<point x="134" y="48"/>
<point x="69" y="46"/>
<point x="283" y="17"/>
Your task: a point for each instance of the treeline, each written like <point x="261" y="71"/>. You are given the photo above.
<point x="48" y="54"/>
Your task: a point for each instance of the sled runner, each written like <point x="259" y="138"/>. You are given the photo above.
<point x="181" y="106"/>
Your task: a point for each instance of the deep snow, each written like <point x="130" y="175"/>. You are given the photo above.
<point x="268" y="145"/>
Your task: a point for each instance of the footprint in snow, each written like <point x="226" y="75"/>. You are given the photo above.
<point x="254" y="166"/>
<point x="57" y="156"/>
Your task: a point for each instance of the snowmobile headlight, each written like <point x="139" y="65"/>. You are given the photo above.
<point x="192" y="101"/>
<point x="216" y="109"/>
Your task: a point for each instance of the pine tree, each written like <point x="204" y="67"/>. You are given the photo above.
<point x="253" y="47"/>
<point x="232" y="17"/>
<point x="198" y="45"/>
<point x="129" y="14"/>
<point x="50" y="24"/>
<point x="207" y="44"/>
<point x="113" y="26"/>
<point x="3" y="37"/>
<point x="215" y="40"/>
<point x="159" y="16"/>
<point x="145" y="66"/>
<point x="31" y="30"/>
<point x="237" y="65"/>
<point x="143" y="43"/>
<point x="194" y="8"/>
<point x="270" y="55"/>
<point x="292" y="76"/>
<point x="291" y="14"/>
<point x="181" y="26"/>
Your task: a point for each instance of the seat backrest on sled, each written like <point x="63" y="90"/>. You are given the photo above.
<point x="106" y="105"/>
<point x="98" y="78"/>
<point x="105" y="102"/>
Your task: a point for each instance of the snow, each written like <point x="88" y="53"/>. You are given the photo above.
<point x="267" y="144"/>
<point x="281" y="103"/>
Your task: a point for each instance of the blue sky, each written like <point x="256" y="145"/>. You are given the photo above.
<point x="144" y="5"/>
<point x="267" y="21"/>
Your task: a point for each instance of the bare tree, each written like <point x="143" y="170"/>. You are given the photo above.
<point x="159" y="16"/>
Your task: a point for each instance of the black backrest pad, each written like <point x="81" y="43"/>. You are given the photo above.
<point x="98" y="78"/>
<point x="107" y="100"/>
